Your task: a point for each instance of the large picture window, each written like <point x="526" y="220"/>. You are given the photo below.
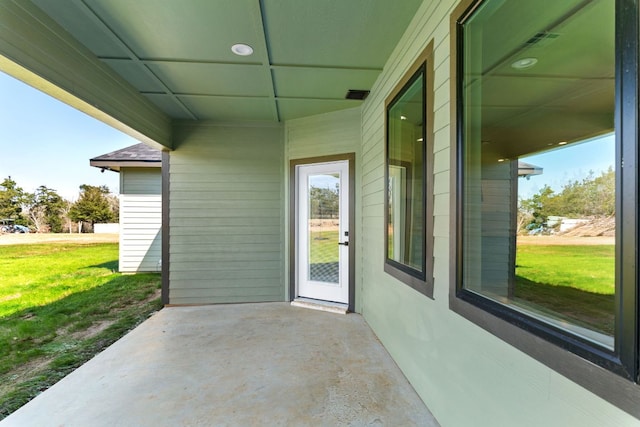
<point x="546" y="172"/>
<point x="408" y="224"/>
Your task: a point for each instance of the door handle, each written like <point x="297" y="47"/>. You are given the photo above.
<point x="344" y="243"/>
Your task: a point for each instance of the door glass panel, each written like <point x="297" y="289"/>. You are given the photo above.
<point x="323" y="227"/>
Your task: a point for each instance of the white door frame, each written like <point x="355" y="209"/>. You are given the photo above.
<point x="294" y="222"/>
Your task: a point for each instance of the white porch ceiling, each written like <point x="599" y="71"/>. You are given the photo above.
<point x="307" y="54"/>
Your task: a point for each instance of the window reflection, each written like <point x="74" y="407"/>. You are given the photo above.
<point x="405" y="172"/>
<point x="538" y="161"/>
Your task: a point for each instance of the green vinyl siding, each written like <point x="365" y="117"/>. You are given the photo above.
<point x="326" y="135"/>
<point x="226" y="214"/>
<point x="466" y="375"/>
<point x="140" y="180"/>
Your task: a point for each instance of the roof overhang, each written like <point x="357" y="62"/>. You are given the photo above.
<point x="117" y="165"/>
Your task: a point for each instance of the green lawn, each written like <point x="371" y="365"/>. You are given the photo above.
<point x="324" y="247"/>
<point x="575" y="282"/>
<point x="60" y="304"/>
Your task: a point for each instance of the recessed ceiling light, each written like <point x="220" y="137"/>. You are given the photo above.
<point x="501" y="160"/>
<point x="242" y="49"/>
<point x="403" y="117"/>
<point x="562" y="143"/>
<point x="419" y="140"/>
<point x="524" y="63"/>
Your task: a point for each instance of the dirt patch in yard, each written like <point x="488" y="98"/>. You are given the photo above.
<point x="35" y="238"/>
<point x="25" y="372"/>
<point x="324" y="224"/>
<point x="92" y="330"/>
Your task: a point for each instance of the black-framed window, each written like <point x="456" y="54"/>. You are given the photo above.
<point x="546" y="188"/>
<point x="408" y="184"/>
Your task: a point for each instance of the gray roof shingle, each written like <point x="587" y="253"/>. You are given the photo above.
<point x="137" y="153"/>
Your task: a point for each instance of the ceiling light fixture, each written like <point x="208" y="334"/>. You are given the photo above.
<point x="562" y="143"/>
<point x="242" y="49"/>
<point x="524" y="63"/>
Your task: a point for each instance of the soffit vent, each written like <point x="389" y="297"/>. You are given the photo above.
<point x="541" y="39"/>
<point x="357" y="94"/>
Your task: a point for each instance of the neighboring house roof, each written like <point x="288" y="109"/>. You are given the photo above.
<point x="527" y="169"/>
<point x="139" y="156"/>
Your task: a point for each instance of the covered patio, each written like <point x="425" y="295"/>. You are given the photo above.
<point x="413" y="115"/>
<point x="239" y="364"/>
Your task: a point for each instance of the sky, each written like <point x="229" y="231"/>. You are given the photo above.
<point x="567" y="164"/>
<point x="46" y="142"/>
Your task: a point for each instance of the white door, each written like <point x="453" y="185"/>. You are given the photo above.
<point x="322" y="234"/>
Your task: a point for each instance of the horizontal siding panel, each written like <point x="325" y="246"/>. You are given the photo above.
<point x="324" y="134"/>
<point x="225" y="147"/>
<point x="137" y="204"/>
<point x="141" y="180"/>
<point x="372" y="211"/>
<point x="219" y="181"/>
<point x="441" y="183"/>
<point x="141" y="269"/>
<point x="240" y="254"/>
<point x="231" y="237"/>
<point x="141" y="198"/>
<point x="442" y="139"/>
<point x="141" y="217"/>
<point x="224" y="246"/>
<point x="228" y="222"/>
<point x="441" y="205"/>
<point x="231" y="291"/>
<point x="226" y="194"/>
<point x="226" y="234"/>
<point x="140" y="229"/>
<point x="272" y="204"/>
<point x="136" y="213"/>
<point x="441" y="161"/>
<point x="138" y="232"/>
<point x="270" y="276"/>
<point x="226" y="214"/>
<point x="229" y="168"/>
<point x="140" y="254"/>
<point x="257" y="273"/>
<point x="227" y="187"/>
<point x="183" y="262"/>
<point x="248" y="212"/>
<point x="199" y="299"/>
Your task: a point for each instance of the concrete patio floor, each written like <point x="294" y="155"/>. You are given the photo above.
<point x="235" y="365"/>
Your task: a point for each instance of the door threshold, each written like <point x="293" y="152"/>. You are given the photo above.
<point x="314" y="304"/>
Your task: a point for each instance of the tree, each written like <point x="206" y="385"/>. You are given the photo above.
<point x="324" y="202"/>
<point x="114" y="203"/>
<point x="65" y="214"/>
<point x="37" y="216"/>
<point x="93" y="205"/>
<point x="12" y="198"/>
<point x="44" y="208"/>
<point x="592" y="197"/>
